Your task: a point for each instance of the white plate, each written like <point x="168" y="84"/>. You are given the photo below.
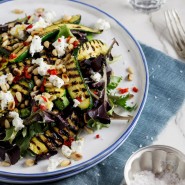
<point x="132" y="56"/>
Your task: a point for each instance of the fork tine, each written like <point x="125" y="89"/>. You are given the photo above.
<point x="175" y="29"/>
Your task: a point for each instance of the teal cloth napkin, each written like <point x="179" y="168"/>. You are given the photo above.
<point x="166" y="94"/>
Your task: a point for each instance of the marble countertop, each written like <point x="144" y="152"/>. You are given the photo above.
<point x="151" y="29"/>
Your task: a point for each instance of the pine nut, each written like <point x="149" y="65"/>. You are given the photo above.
<point x="76" y="156"/>
<point x="11" y="105"/>
<point x="22" y="106"/>
<point x="40" y="10"/>
<point x="48" y="84"/>
<point x="17" y="72"/>
<point x="5" y="43"/>
<point x="35" y="88"/>
<point x="15" y="46"/>
<point x="130" y="77"/>
<point x="57" y="62"/>
<point x="7" y="86"/>
<point x="70" y="46"/>
<point x="18" y="96"/>
<point x="130" y="70"/>
<point x="46" y="44"/>
<point x="66" y="17"/>
<point x="35" y="78"/>
<point x="9" y="48"/>
<point x="65" y="78"/>
<point x="6" y="124"/>
<point x="5" y="163"/>
<point x="29" y="162"/>
<point x="30" y="69"/>
<point x="38" y="82"/>
<point x="10" y="78"/>
<point x="72" y="39"/>
<point x="5" y="37"/>
<point x="26" y="102"/>
<point x="54" y="52"/>
<point x="35" y="71"/>
<point x="3" y="87"/>
<point x="29" y="39"/>
<point x="17" y="11"/>
<point x="55" y="111"/>
<point x="65" y="163"/>
<point x="4" y="34"/>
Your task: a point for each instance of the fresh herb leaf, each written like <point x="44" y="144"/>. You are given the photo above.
<point x="122" y="102"/>
<point x="96" y="125"/>
<point x="10" y="134"/>
<point x="114" y="81"/>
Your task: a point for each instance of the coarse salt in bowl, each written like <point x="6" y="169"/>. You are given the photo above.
<point x="156" y="165"/>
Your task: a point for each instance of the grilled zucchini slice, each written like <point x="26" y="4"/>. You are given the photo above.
<point x="91" y="49"/>
<point x="77" y="88"/>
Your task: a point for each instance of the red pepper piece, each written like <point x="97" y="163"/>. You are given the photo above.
<point x="17" y="78"/>
<point x="29" y="16"/>
<point x="42" y="107"/>
<point x="26" y="74"/>
<point x="97" y="136"/>
<point x="42" y="88"/>
<point x="35" y="108"/>
<point x="75" y="44"/>
<point x="29" y="27"/>
<point x="79" y="99"/>
<point x="135" y="89"/>
<point x="122" y="90"/>
<point x="44" y="98"/>
<point x="12" y="56"/>
<point x="69" y="141"/>
<point x="52" y="71"/>
<point x="59" y="40"/>
<point x="26" y="43"/>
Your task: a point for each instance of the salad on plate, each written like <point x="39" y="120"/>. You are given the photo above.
<point x="56" y="81"/>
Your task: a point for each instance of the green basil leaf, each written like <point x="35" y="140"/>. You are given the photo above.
<point x="114" y="81"/>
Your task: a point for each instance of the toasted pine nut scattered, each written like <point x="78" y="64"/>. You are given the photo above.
<point x="10" y="78"/>
<point x="38" y="82"/>
<point x="46" y="44"/>
<point x="5" y="37"/>
<point x="18" y="96"/>
<point x="130" y="70"/>
<point x="66" y="17"/>
<point x="22" y="106"/>
<point x="130" y="77"/>
<point x="54" y="52"/>
<point x="70" y="46"/>
<point x="3" y="87"/>
<point x="30" y="69"/>
<point x="5" y="163"/>
<point x="29" y="162"/>
<point x="40" y="10"/>
<point x="5" y="43"/>
<point x="29" y="39"/>
<point x="17" y="11"/>
<point x="26" y="102"/>
<point x="65" y="163"/>
<point x="35" y="71"/>
<point x="55" y="111"/>
<point x="17" y="72"/>
<point x="76" y="156"/>
<point x="72" y="39"/>
<point x="6" y="124"/>
<point x="48" y="84"/>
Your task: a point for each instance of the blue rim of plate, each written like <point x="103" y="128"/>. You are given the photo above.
<point x="89" y="163"/>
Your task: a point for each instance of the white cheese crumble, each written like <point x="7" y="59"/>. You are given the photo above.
<point x="96" y="77"/>
<point x="76" y="102"/>
<point x="56" y="81"/>
<point x="17" y="122"/>
<point x="3" y="79"/>
<point x="44" y="101"/>
<point x="35" y="45"/>
<point x="76" y="146"/>
<point x="66" y="151"/>
<point x="18" y="31"/>
<point x="53" y="163"/>
<point x="102" y="24"/>
<point x="43" y="67"/>
<point x="60" y="45"/>
<point x="49" y="16"/>
<point x="41" y="23"/>
<point x="5" y="99"/>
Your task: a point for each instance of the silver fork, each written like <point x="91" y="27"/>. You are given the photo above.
<point x="176" y="30"/>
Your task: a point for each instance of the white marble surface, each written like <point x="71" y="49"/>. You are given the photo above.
<point x="151" y="29"/>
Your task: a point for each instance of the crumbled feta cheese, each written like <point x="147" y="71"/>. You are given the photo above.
<point x="35" y="45"/>
<point x="56" y="81"/>
<point x="76" y="102"/>
<point x="18" y="31"/>
<point x="60" y="45"/>
<point x="96" y="77"/>
<point x="5" y="99"/>
<point x="49" y="16"/>
<point x="102" y="24"/>
<point x="3" y="79"/>
<point x="43" y="67"/>
<point x="53" y="163"/>
<point x="66" y="151"/>
<point x="41" y="23"/>
<point x="76" y="146"/>
<point x="44" y="101"/>
<point x="17" y="122"/>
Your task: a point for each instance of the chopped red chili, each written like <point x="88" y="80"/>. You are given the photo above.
<point x="95" y="92"/>
<point x="52" y="71"/>
<point x="79" y="99"/>
<point x="35" y="108"/>
<point x="16" y="101"/>
<point x="122" y="90"/>
<point x="12" y="56"/>
<point x="42" y="88"/>
<point x="26" y="73"/>
<point x="29" y="26"/>
<point x="44" y="98"/>
<point x="59" y="40"/>
<point x="42" y="107"/>
<point x="135" y="89"/>
<point x="75" y="43"/>
<point x="29" y="16"/>
<point x="26" y="43"/>
<point x="69" y="141"/>
<point x="97" y="136"/>
<point x="17" y="78"/>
